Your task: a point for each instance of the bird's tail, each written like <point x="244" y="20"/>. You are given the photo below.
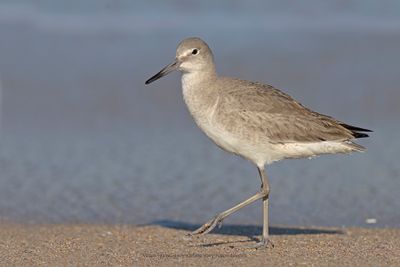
<point x="355" y="147"/>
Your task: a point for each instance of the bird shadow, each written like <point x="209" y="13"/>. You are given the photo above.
<point x="252" y="232"/>
<point x="247" y="230"/>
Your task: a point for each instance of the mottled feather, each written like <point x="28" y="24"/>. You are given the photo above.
<point x="264" y="112"/>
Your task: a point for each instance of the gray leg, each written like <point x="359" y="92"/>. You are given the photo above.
<point x="217" y="220"/>
<point x="264" y="187"/>
<point x="210" y="225"/>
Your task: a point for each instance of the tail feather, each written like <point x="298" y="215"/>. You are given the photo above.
<point x="355" y="147"/>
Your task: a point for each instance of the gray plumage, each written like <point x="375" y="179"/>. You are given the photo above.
<point x="260" y="112"/>
<point x="253" y="120"/>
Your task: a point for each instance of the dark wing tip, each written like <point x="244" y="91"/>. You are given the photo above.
<point x="354" y="128"/>
<point x="359" y="135"/>
<point x="356" y="131"/>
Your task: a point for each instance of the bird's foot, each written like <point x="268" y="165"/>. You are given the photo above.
<point x="208" y="226"/>
<point x="262" y="244"/>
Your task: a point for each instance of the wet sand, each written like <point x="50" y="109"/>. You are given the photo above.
<point x="157" y="245"/>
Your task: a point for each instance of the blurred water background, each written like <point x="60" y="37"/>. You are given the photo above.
<point x="83" y="140"/>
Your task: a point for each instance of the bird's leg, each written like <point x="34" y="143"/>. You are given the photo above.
<point x="264" y="242"/>
<point x="210" y="225"/>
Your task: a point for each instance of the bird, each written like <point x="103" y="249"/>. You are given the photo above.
<point x="255" y="121"/>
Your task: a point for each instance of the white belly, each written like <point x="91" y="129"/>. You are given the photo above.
<point x="267" y="152"/>
<point x="257" y="154"/>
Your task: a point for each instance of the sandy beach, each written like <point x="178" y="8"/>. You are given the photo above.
<point x="155" y="245"/>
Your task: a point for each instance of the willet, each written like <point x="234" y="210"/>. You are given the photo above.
<point x="253" y="120"/>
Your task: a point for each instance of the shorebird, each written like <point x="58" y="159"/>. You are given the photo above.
<point x="253" y="120"/>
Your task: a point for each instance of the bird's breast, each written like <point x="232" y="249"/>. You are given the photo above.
<point x="202" y="106"/>
<point x="202" y="103"/>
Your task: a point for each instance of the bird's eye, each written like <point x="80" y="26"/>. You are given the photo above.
<point x="195" y="51"/>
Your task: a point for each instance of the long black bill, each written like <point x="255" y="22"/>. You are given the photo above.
<point x="170" y="68"/>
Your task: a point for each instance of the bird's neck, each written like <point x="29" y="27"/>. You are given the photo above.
<point x="196" y="78"/>
<point x="198" y="90"/>
<point x="198" y="83"/>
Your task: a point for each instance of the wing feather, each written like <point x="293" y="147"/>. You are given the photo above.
<point x="261" y="111"/>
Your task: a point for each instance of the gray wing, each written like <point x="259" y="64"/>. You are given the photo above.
<point x="260" y="111"/>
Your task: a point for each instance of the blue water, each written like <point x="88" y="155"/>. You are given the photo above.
<point x="83" y="140"/>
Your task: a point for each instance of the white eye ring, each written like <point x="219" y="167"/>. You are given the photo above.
<point x="195" y="51"/>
